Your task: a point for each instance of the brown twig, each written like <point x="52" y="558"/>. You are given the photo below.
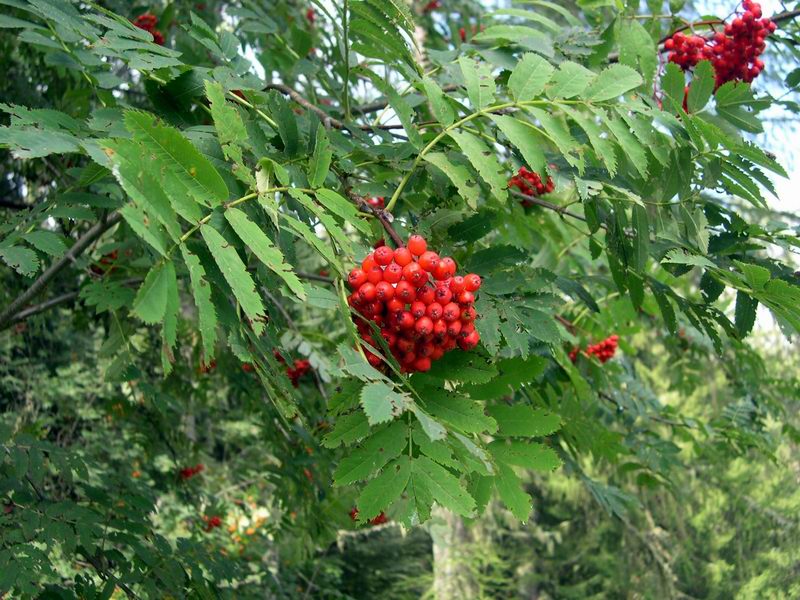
<point x="566" y="323"/>
<point x="381" y="104"/>
<point x="43" y="280"/>
<point x="55" y="301"/>
<point x="382" y="216"/>
<point x="562" y="210"/>
<point x="314" y="277"/>
<point x="13" y="205"/>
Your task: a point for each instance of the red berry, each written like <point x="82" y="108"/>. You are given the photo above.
<point x="403" y="256"/>
<point x="422" y="364"/>
<point x="468" y="314"/>
<point x="384" y="291"/>
<point x="472" y="282"/>
<point x="414" y="274"/>
<point x="367" y="292"/>
<point x="446" y="268"/>
<point x="404" y="319"/>
<point x="457" y="284"/>
<point x="434" y="311"/>
<point x="356" y="278"/>
<point x="466" y="298"/>
<point x="429" y="261"/>
<point x="383" y="255"/>
<point x="426" y="294"/>
<point x="393" y="273"/>
<point x="404" y="345"/>
<point x="443" y="295"/>
<point x="424" y="326"/>
<point x="425" y="349"/>
<point x="417" y="245"/>
<point x="394" y="305"/>
<point x="418" y="309"/>
<point x="375" y="275"/>
<point x="440" y="328"/>
<point x="405" y="291"/>
<point x="451" y="312"/>
<point x="470" y="341"/>
<point x="454" y="328"/>
<point x="368" y="263"/>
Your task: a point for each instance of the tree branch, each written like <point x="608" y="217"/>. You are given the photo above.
<point x="381" y="104"/>
<point x="47" y="304"/>
<point x="562" y="210"/>
<point x="314" y="277"/>
<point x="12" y="205"/>
<point x="76" y="250"/>
<point x="381" y="215"/>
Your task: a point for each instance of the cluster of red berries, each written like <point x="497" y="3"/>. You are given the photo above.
<point x="379" y="520"/>
<point x="106" y="263"/>
<point x="211" y="522"/>
<point x="207" y="367"/>
<point x="604" y="351"/>
<point x="189" y="472"/>
<point x="300" y="368"/>
<point x="377" y="202"/>
<point x="148" y="22"/>
<point x="431" y="6"/>
<point x="530" y="184"/>
<point x="734" y="52"/>
<point x="462" y="32"/>
<point x="420" y="319"/>
<point x="311" y="15"/>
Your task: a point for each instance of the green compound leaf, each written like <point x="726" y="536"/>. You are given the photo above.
<point x="484" y="160"/>
<point x="529" y="77"/>
<point x="387" y="487"/>
<point x="442" y="486"/>
<point x="235" y="273"/>
<point x="260" y="245"/>
<point x="524" y="454"/>
<point x="524" y="421"/>
<point x="150" y="304"/>
<point x="201" y="292"/>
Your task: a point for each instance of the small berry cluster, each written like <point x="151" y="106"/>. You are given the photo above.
<point x="377" y="202"/>
<point x="211" y="522"/>
<point x="431" y="6"/>
<point x="462" y="32"/>
<point x="604" y="351"/>
<point x="148" y="22"/>
<point x="420" y="319"/>
<point x="311" y="16"/>
<point x="300" y="368"/>
<point x="379" y="520"/>
<point x="106" y="263"/>
<point x="530" y="184"/>
<point x="189" y="472"/>
<point x="207" y="367"/>
<point x="734" y="52"/>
